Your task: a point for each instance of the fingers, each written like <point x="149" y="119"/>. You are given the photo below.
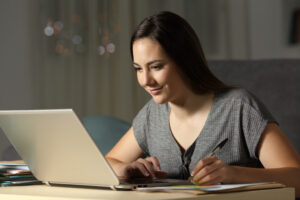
<point x="135" y="171"/>
<point x="209" y="171"/>
<point x="210" y="180"/>
<point x="154" y="162"/>
<point x="160" y="174"/>
<point x="203" y="163"/>
<point x="146" y="167"/>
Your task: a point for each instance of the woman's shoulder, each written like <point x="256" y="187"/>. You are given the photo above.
<point x="240" y="97"/>
<point x="237" y="95"/>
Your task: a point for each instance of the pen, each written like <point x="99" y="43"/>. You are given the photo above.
<point x="214" y="151"/>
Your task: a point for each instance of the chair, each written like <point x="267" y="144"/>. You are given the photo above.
<point x="105" y="130"/>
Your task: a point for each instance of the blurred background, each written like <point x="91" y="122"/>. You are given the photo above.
<point x="75" y="53"/>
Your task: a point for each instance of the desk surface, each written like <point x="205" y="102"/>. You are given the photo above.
<point x="43" y="192"/>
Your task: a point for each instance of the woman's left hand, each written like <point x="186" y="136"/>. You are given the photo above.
<point x="211" y="170"/>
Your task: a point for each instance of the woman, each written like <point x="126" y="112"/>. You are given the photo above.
<point x="191" y="112"/>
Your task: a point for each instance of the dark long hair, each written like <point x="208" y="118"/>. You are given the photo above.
<point x="181" y="44"/>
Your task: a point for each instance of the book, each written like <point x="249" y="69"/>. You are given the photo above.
<point x="16" y="174"/>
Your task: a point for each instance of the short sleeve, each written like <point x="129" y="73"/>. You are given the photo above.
<point x="140" y="127"/>
<point x="255" y="117"/>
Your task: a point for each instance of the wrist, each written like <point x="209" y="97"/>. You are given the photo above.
<point x="118" y="166"/>
<point x="235" y="173"/>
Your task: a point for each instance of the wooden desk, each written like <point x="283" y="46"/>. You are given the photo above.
<point x="43" y="192"/>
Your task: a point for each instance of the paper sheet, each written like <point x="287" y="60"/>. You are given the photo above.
<point x="212" y="188"/>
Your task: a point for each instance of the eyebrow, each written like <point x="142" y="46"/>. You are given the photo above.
<point x="148" y="63"/>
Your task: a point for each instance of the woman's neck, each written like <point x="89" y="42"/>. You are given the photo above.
<point x="191" y="105"/>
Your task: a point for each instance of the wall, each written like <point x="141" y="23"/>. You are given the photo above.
<point x="269" y="23"/>
<point x="15" y="55"/>
<point x="16" y="59"/>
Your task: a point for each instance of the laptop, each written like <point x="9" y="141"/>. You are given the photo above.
<point x="59" y="151"/>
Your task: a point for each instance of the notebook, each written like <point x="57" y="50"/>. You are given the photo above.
<point x="59" y="151"/>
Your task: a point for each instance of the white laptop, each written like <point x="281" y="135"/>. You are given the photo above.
<point x="59" y="151"/>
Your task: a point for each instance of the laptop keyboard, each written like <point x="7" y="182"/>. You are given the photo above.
<point x="149" y="180"/>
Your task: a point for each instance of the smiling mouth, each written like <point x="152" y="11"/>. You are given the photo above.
<point x="155" y="91"/>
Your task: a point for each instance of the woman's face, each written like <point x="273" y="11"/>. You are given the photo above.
<point x="156" y="72"/>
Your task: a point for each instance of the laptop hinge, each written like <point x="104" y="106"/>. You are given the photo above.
<point x="113" y="187"/>
<point x="47" y="183"/>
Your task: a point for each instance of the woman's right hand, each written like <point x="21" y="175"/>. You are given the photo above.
<point x="144" y="167"/>
<point x="126" y="159"/>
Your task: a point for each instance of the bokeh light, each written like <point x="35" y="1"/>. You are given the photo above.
<point x="76" y="39"/>
<point x="101" y="50"/>
<point x="48" y="31"/>
<point x="111" y="47"/>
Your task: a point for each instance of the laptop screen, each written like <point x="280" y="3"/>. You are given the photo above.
<point x="56" y="147"/>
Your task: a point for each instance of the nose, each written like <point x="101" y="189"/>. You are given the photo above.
<point x="145" y="78"/>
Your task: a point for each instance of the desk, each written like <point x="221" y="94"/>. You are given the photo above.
<point x="44" y="192"/>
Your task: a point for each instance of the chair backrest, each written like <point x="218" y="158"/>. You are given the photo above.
<point x="105" y="130"/>
<point x="275" y="82"/>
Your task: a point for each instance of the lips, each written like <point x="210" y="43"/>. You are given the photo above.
<point x="155" y="91"/>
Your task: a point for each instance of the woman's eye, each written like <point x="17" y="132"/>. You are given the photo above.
<point x="137" y="69"/>
<point x="156" y="67"/>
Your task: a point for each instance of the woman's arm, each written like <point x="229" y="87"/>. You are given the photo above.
<point x="280" y="160"/>
<point x="126" y="159"/>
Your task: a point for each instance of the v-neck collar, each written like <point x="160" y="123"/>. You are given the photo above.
<point x="189" y="151"/>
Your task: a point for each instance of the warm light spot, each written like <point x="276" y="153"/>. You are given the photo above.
<point x="76" y="18"/>
<point x="59" y="48"/>
<point x="67" y="52"/>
